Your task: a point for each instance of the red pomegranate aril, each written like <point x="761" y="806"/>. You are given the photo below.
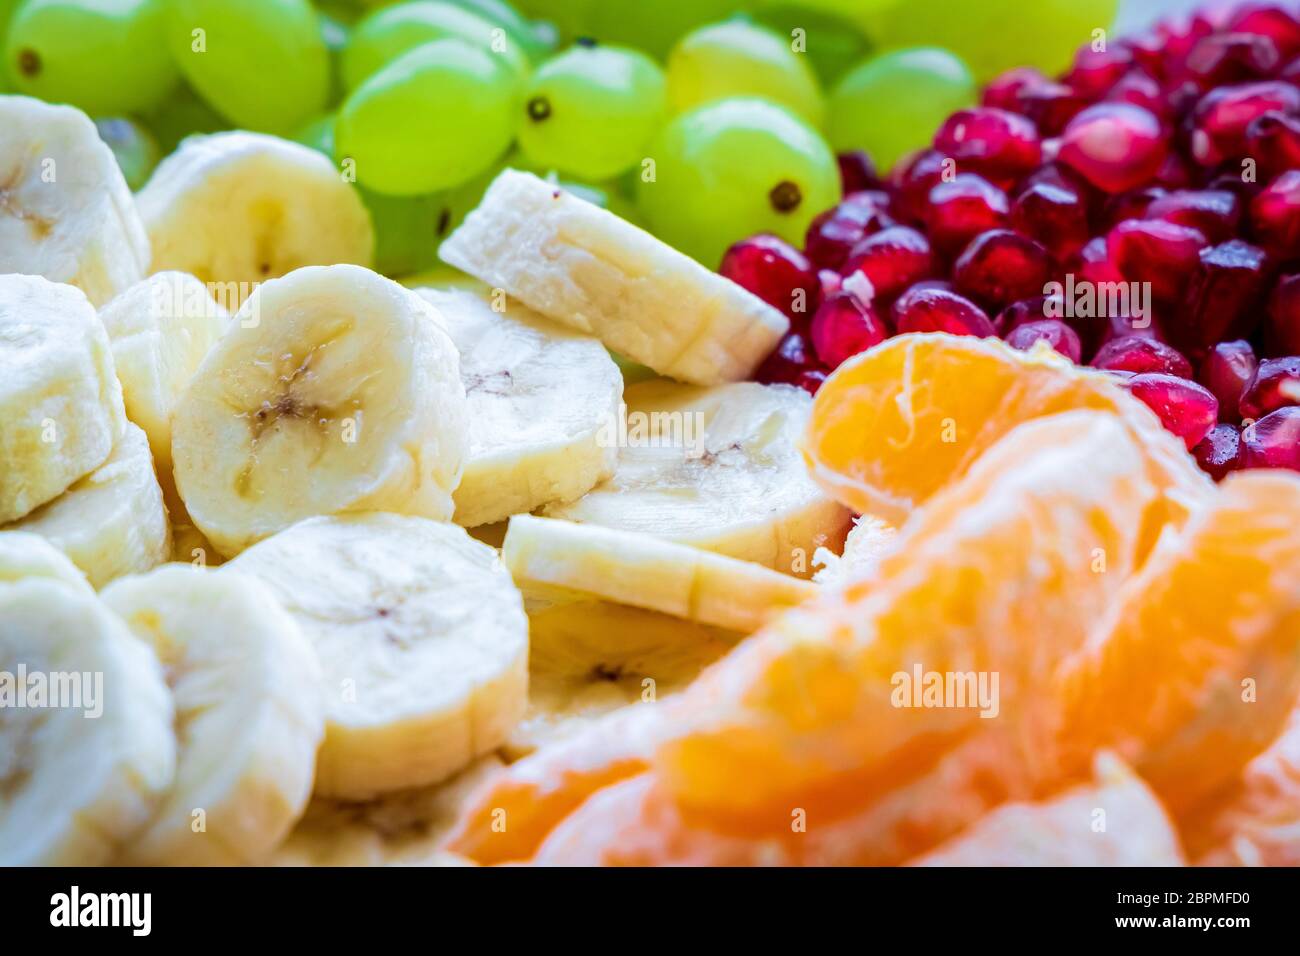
<point x="1273" y="139"/>
<point x="1271" y="21"/>
<point x="1052" y="331"/>
<point x="912" y="181"/>
<point x="924" y="308"/>
<point x="1226" y="370"/>
<point x="1224" y="296"/>
<point x="1140" y="89"/>
<point x="844" y="326"/>
<point x="1273" y="441"/>
<point x="792" y="357"/>
<point x="1140" y="353"/>
<point x="962" y="209"/>
<point x="999" y="145"/>
<point x="810" y="380"/>
<point x="1183" y="407"/>
<point x="1215" y="213"/>
<point x="837" y="230"/>
<point x="1223" y="115"/>
<point x="1219" y="452"/>
<point x="1161" y="253"/>
<point x="829" y="282"/>
<point x="1052" y="106"/>
<point x="1003" y="91"/>
<point x="1177" y="173"/>
<point x="1233" y="58"/>
<point x="1275" y="215"/>
<point x="1055" y="216"/>
<point x="1034" y="309"/>
<point x="857" y="172"/>
<point x="1115" y="146"/>
<point x="1282" y="333"/>
<point x="1131" y="205"/>
<point x="773" y="270"/>
<point x="1095" y="264"/>
<point x="892" y="260"/>
<point x="1276" y="384"/>
<point x="1096" y="71"/>
<point x="1000" y="267"/>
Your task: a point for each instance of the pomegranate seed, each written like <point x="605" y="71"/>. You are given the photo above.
<point x="857" y="172"/>
<point x="1276" y="384"/>
<point x="1095" y="263"/>
<point x="1223" y="297"/>
<point x="1183" y="407"/>
<point x="1232" y="58"/>
<point x="913" y="180"/>
<point x="1219" y="452"/>
<point x="1275" y="215"/>
<point x="833" y="233"/>
<point x="791" y="358"/>
<point x="1139" y="353"/>
<point x="843" y="326"/>
<point x="1003" y="91"/>
<point x="773" y="270"/>
<point x="829" y="282"/>
<point x="1273" y="441"/>
<point x="999" y="145"/>
<point x="1035" y="309"/>
<point x="1000" y="267"/>
<point x="1269" y="21"/>
<point x="1222" y="117"/>
<point x="810" y="380"/>
<point x="1096" y="71"/>
<point x="1161" y="253"/>
<point x="1215" y="213"/>
<point x="930" y="309"/>
<point x="1226" y="371"/>
<point x="1055" y="216"/>
<point x="1273" y="139"/>
<point x="1176" y="173"/>
<point x="892" y="260"/>
<point x="962" y="209"/>
<point x="1140" y="89"/>
<point x="1052" y="106"/>
<point x="1283" y="331"/>
<point x="1131" y="205"/>
<point x="1052" y="331"/>
<point x="1115" y="146"/>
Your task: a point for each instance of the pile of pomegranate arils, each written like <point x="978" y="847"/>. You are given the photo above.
<point x="1170" y="158"/>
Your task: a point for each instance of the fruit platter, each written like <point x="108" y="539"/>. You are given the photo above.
<point x="717" y="433"/>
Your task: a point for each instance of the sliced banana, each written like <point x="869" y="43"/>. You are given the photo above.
<point x="60" y="403"/>
<point x="587" y="658"/>
<point x="245" y="685"/>
<point x="65" y="210"/>
<point x="160" y="330"/>
<point x="333" y="390"/>
<point x="422" y="638"/>
<point x="581" y="265"/>
<point x="113" y="521"/>
<point x="239" y="208"/>
<point x="644" y="571"/>
<point x="190" y="547"/>
<point x="24" y="555"/>
<point x="542" y="404"/>
<point x="82" y="766"/>
<point x="867" y="542"/>
<point x="718" y="468"/>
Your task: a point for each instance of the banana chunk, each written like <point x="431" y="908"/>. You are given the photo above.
<point x="718" y="468"/>
<point x="422" y="638"/>
<point x="24" y="555"/>
<point x="542" y="401"/>
<point x="113" y="521"/>
<point x="65" y="210"/>
<point x="84" y="762"/>
<point x="160" y="330"/>
<point x="60" y="402"/>
<point x="581" y="265"/>
<point x="239" y="208"/>
<point x="647" y="572"/>
<point x="333" y="390"/>
<point x="246" y="689"/>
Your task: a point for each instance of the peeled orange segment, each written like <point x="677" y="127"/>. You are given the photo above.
<point x="1196" y="668"/>
<point x="895" y="424"/>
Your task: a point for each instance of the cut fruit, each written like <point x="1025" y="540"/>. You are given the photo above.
<point x="868" y="541"/>
<point x="26" y="555"/>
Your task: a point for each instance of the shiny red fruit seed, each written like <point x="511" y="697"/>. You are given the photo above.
<point x="999" y="145"/>
<point x="892" y="260"/>
<point x="844" y="326"/>
<point x="1052" y="331"/>
<point x="1160" y="253"/>
<point x="1273" y="441"/>
<point x="1275" y="215"/>
<point x="1138" y="354"/>
<point x="773" y="270"/>
<point x="963" y="208"/>
<point x="1000" y="267"/>
<point x="1276" y="384"/>
<point x="1226" y="371"/>
<point x="1283" y="329"/>
<point x="929" y="309"/>
<point x="1183" y="407"/>
<point x="1115" y="146"/>
<point x="1219" y="452"/>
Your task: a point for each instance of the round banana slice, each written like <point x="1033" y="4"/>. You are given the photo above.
<point x="160" y="330"/>
<point x="718" y="468"/>
<point x="24" y="555"/>
<point x="422" y="638"/>
<point x="542" y="406"/>
<point x="643" y="571"/>
<point x="86" y="743"/>
<point x="246" y="688"/>
<point x="65" y="210"/>
<point x="333" y="390"/>
<point x="113" y="521"/>
<point x="867" y="542"/>
<point x="587" y="658"/>
<point x="60" y="403"/>
<point x="239" y="208"/>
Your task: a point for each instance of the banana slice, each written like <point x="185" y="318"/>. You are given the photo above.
<point x="190" y="547"/>
<point x="239" y="208"/>
<point x="581" y="265"/>
<point x="60" y="403"/>
<point x="245" y="686"/>
<point x="404" y="828"/>
<point x="24" y="555"/>
<point x="422" y="637"/>
<point x="333" y="390"/>
<point x="160" y="330"/>
<point x="113" y="521"/>
<point x="542" y="403"/>
<point x="868" y="541"/>
<point x="718" y="468"/>
<point x="588" y="658"/>
<point x="644" y="571"/>
<point x="65" y="210"/>
<point x="83" y="765"/>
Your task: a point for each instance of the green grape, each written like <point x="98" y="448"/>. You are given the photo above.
<point x="592" y="110"/>
<point x="318" y="134"/>
<point x="408" y="230"/>
<point x="538" y="40"/>
<point x="102" y="56"/>
<point x="386" y="34"/>
<point x="652" y="27"/>
<point x="336" y="33"/>
<point x="134" y="147"/>
<point x="891" y="104"/>
<point x="738" y="58"/>
<point x="832" y="43"/>
<point x="262" y="64"/>
<point x="434" y="118"/>
<point x="184" y="114"/>
<point x="733" y="168"/>
<point x="6" y="12"/>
